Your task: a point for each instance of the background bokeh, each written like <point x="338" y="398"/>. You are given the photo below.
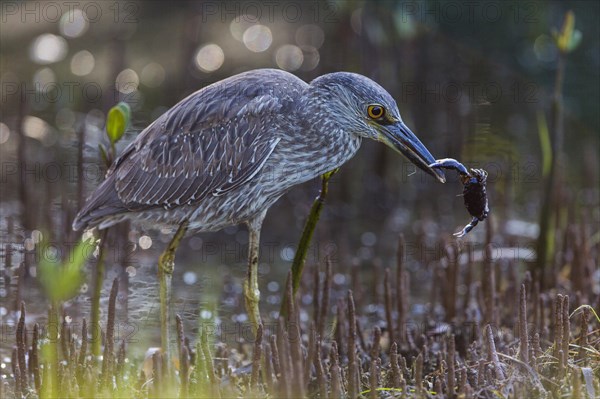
<point x="474" y="81"/>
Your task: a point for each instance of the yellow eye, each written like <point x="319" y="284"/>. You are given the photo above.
<point x="375" y="111"/>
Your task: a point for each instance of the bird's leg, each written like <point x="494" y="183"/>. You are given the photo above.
<point x="251" y="290"/>
<point x="166" y="265"/>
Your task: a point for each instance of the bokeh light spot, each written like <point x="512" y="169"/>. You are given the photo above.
<point x="127" y="81"/>
<point x="258" y="38"/>
<point x="311" y="58"/>
<point x="145" y="242"/>
<point x="37" y="236"/>
<point x="310" y="35"/>
<point x="65" y="119"/>
<point x="190" y="278"/>
<point x="356" y="21"/>
<point x="131" y="271"/>
<point x="73" y="23"/>
<point x="239" y="25"/>
<point x="273" y="286"/>
<point x="42" y="78"/>
<point x="544" y="48"/>
<point x="48" y="48"/>
<point x="368" y="238"/>
<point x="209" y="58"/>
<point x="289" y="57"/>
<point x="4" y="133"/>
<point x="153" y="75"/>
<point x="82" y="63"/>
<point x="287" y="253"/>
<point x="36" y="128"/>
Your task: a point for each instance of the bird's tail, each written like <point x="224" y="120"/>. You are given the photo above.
<point x="101" y="207"/>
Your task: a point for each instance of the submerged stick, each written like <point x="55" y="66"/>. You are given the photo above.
<point x="352" y="361"/>
<point x="21" y="350"/>
<point x="493" y="354"/>
<point x="336" y="378"/>
<point x="523" y="334"/>
<point x="325" y="298"/>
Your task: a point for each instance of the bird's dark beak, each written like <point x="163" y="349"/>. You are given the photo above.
<point x="400" y="138"/>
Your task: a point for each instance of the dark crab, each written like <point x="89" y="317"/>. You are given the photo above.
<point x="474" y="192"/>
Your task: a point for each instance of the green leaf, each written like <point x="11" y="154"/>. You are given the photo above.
<point x="62" y="278"/>
<point x="117" y="121"/>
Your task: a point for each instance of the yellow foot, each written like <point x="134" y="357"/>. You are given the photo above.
<point x="166" y="262"/>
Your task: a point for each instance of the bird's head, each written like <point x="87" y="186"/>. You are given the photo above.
<point x="361" y="107"/>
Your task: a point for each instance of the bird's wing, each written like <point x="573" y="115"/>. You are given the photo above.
<point x="198" y="148"/>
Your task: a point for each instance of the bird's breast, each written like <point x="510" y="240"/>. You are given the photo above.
<point x="300" y="160"/>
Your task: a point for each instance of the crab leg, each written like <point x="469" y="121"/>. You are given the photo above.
<point x="467" y="228"/>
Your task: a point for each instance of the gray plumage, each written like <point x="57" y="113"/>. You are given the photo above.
<point x="226" y="153"/>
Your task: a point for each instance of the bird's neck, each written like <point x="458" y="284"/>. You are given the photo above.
<point x="328" y="144"/>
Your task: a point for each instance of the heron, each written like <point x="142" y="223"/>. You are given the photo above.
<point x="226" y="153"/>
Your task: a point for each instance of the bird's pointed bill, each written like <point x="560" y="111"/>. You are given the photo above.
<point x="400" y="138"/>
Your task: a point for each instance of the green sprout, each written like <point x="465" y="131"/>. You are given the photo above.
<point x="568" y="38"/>
<point x="62" y="278"/>
<point x="117" y="122"/>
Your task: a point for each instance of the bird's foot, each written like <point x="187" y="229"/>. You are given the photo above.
<point x="166" y="262"/>
<point x="252" y="296"/>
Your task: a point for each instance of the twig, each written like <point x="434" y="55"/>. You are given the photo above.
<point x="402" y="289"/>
<point x="268" y="367"/>
<point x="184" y="359"/>
<point x="312" y="344"/>
<point x="319" y="370"/>
<point x="450" y="359"/>
<point x="325" y="297"/>
<point x="396" y="375"/>
<point x="523" y="335"/>
<point x="352" y="361"/>
<point x="493" y="354"/>
<point x="108" y="359"/>
<point x="96" y="294"/>
<point x="418" y="373"/>
<point x="306" y="237"/>
<point x="582" y="355"/>
<point x="275" y="357"/>
<point x="388" y="305"/>
<point x="373" y="380"/>
<point x="34" y="358"/>
<point x="566" y="335"/>
<point x="294" y="339"/>
<point x="336" y="378"/>
<point x="21" y="350"/>
<point x="210" y="370"/>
